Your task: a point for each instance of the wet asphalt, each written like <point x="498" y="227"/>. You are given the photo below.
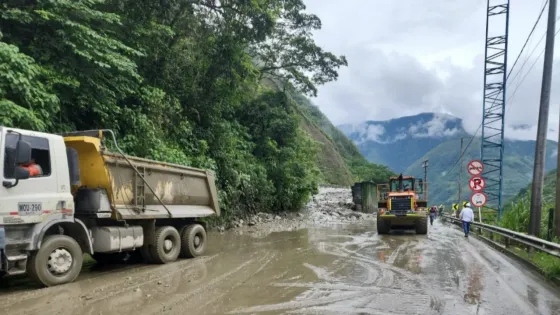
<point x="338" y="269"/>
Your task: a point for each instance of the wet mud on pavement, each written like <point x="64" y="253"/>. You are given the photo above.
<point x="336" y="268"/>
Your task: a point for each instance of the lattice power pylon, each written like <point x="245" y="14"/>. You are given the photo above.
<point x="495" y="71"/>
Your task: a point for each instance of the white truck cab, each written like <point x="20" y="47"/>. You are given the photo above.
<point x="31" y="205"/>
<point x="26" y="199"/>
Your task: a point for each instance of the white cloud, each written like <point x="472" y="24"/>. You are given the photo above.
<point x="412" y="56"/>
<point x="435" y="127"/>
<point x="373" y="132"/>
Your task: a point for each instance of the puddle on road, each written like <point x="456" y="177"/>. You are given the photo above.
<point x="345" y="269"/>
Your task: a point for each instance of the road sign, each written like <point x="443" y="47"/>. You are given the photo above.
<point x="475" y="167"/>
<point x="455" y="206"/>
<point x="478" y="199"/>
<point x="477" y="183"/>
<point x="465" y="204"/>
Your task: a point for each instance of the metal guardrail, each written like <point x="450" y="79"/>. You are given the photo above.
<point x="530" y="241"/>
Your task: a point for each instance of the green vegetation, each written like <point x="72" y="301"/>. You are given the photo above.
<point x="182" y="81"/>
<point x="516" y="210"/>
<point x="179" y="81"/>
<point x="516" y="218"/>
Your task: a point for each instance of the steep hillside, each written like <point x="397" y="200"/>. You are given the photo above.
<point x="334" y="169"/>
<point x="181" y="90"/>
<point x="339" y="159"/>
<point x="549" y="191"/>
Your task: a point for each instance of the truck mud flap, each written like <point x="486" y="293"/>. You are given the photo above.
<point x="2" y="247"/>
<point x="2" y="238"/>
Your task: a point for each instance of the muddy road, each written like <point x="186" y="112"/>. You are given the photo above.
<point x="325" y="262"/>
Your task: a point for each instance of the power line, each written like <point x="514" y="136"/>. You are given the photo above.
<point x="464" y="151"/>
<point x="508" y="75"/>
<point x="528" y="57"/>
<point x="531" y="68"/>
<point x="528" y="38"/>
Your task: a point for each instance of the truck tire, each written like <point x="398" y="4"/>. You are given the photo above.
<point x="110" y="258"/>
<point x="167" y="245"/>
<point x="382" y="227"/>
<point x="58" y="261"/>
<point x="422" y="226"/>
<point x="193" y="241"/>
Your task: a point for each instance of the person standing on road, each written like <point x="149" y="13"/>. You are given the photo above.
<point x="467" y="216"/>
<point x="433" y="212"/>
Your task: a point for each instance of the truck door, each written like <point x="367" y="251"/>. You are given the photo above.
<point x="31" y="198"/>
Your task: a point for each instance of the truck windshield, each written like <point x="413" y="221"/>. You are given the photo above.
<point x="407" y="184"/>
<point x="35" y="142"/>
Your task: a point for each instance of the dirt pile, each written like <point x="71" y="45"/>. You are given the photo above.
<point x="329" y="206"/>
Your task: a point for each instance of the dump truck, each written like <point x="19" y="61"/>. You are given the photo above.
<point x="402" y="204"/>
<point x="89" y="199"/>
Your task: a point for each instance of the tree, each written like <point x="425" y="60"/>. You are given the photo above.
<point x="290" y="53"/>
<point x="179" y="80"/>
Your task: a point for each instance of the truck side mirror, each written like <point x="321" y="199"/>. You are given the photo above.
<point x="23" y="153"/>
<point x="21" y="173"/>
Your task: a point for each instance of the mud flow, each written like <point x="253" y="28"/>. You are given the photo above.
<point x="329" y="261"/>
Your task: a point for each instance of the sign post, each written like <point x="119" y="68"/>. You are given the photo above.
<point x="475" y="167"/>
<point x="477" y="184"/>
<point x="479" y="199"/>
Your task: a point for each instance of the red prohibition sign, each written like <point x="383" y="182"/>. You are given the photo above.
<point x="479" y="199"/>
<point x="477" y="183"/>
<point x="475" y="167"/>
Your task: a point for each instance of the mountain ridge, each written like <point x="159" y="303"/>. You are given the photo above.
<point x="403" y="143"/>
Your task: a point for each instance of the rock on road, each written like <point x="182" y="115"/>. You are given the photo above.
<point x="329" y="262"/>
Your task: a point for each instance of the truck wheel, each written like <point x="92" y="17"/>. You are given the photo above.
<point x="193" y="241"/>
<point x="382" y="227"/>
<point x="167" y="245"/>
<point x="110" y="258"/>
<point x="422" y="226"/>
<point x="58" y="261"/>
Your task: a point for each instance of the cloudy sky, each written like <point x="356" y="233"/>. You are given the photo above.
<point x="411" y="56"/>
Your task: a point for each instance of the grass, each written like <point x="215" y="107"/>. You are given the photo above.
<point x="549" y="265"/>
<point x="516" y="218"/>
